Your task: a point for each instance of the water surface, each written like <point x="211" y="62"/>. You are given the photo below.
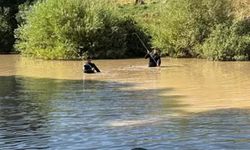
<point x="185" y="104"/>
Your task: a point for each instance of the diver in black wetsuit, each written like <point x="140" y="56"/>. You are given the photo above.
<point x="154" y="58"/>
<point x="90" y="67"/>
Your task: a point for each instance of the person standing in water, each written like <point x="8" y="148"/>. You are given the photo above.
<point x="154" y="58"/>
<point x="90" y="67"/>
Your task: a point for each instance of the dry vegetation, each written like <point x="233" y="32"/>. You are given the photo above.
<point x="242" y="8"/>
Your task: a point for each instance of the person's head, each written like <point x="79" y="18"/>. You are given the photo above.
<point x="88" y="60"/>
<point x="155" y="50"/>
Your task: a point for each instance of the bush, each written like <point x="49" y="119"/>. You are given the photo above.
<point x="227" y="42"/>
<point x="243" y="27"/>
<point x="184" y="24"/>
<point x="56" y="29"/>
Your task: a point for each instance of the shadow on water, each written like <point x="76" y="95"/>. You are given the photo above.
<point x="41" y="113"/>
<point x="216" y="129"/>
<point x="38" y="113"/>
<point x="45" y="113"/>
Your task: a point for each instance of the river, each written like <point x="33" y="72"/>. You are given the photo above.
<point x="185" y="104"/>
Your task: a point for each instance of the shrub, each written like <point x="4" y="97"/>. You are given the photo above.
<point x="56" y="29"/>
<point x="184" y="24"/>
<point x="227" y="42"/>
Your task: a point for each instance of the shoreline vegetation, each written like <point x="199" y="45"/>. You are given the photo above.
<point x="70" y="29"/>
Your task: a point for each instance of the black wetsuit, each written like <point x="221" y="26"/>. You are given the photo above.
<point x="90" y="68"/>
<point x="154" y="59"/>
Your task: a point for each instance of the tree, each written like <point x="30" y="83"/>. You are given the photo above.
<point x="8" y="22"/>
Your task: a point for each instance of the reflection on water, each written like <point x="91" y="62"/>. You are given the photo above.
<point x="187" y="104"/>
<point x="49" y="113"/>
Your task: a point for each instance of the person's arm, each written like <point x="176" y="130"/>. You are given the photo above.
<point x="159" y="62"/>
<point x="95" y="67"/>
<point x="147" y="56"/>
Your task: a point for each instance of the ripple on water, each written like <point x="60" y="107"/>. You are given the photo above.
<point x="188" y="104"/>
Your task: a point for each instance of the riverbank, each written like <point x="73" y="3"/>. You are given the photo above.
<point x="9" y="53"/>
<point x="215" y="30"/>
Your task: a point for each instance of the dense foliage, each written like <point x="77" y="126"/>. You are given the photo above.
<point x="7" y="27"/>
<point x="197" y="28"/>
<point x="58" y="29"/>
<point x="4" y="36"/>
<point x="67" y="29"/>
<point x="187" y="23"/>
<point x="226" y="43"/>
<point x="8" y="22"/>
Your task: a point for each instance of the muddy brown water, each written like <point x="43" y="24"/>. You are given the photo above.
<point x="185" y="104"/>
